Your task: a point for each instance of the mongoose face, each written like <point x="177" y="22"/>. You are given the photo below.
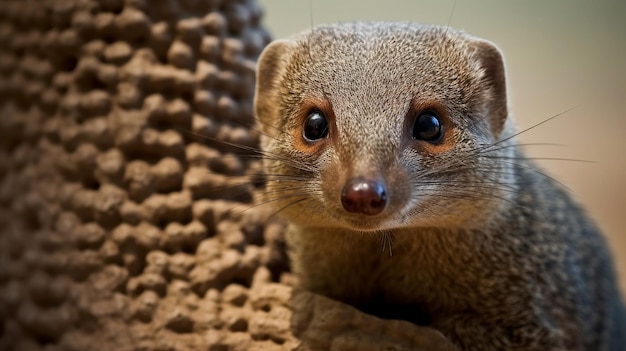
<point x="375" y="126"/>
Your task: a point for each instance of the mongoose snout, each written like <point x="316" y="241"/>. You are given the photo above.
<point x="365" y="196"/>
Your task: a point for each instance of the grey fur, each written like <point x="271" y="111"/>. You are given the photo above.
<point x="486" y="249"/>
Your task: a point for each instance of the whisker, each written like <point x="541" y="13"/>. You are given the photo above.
<point x="540" y="159"/>
<point x="387" y="241"/>
<point x="512" y="146"/>
<point x="533" y="126"/>
<point x="450" y="18"/>
<point x="288" y="205"/>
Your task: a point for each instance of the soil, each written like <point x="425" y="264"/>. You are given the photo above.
<point x="127" y="217"/>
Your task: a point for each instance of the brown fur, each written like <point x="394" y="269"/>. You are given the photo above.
<point x="473" y="242"/>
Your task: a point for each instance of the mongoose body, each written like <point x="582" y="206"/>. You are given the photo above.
<point x="388" y="148"/>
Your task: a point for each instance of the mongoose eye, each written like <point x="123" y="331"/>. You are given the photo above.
<point x="315" y="126"/>
<point x="428" y="127"/>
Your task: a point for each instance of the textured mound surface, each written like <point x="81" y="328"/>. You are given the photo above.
<point x="125" y="187"/>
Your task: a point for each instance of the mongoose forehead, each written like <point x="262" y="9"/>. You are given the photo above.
<point x="414" y="60"/>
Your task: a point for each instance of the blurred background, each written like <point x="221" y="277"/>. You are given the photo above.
<point x="561" y="55"/>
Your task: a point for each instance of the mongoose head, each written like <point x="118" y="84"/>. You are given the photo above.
<point x="375" y="126"/>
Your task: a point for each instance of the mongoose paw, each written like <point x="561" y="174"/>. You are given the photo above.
<point x="321" y="323"/>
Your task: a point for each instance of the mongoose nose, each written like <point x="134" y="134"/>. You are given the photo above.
<point x="364" y="196"/>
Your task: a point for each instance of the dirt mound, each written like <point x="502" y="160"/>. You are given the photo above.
<point x="126" y="187"/>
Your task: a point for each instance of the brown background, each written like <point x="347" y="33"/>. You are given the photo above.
<point x="560" y="55"/>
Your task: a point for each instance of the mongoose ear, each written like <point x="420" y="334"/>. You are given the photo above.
<point x="494" y="80"/>
<point x="270" y="69"/>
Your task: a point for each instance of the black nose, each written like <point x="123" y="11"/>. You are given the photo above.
<point x="364" y="196"/>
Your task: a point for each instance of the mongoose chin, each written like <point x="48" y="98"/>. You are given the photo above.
<point x="402" y="131"/>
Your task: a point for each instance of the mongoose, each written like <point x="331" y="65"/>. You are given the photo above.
<point x="388" y="148"/>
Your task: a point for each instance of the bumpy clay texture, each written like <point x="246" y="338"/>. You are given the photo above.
<point x="127" y="183"/>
